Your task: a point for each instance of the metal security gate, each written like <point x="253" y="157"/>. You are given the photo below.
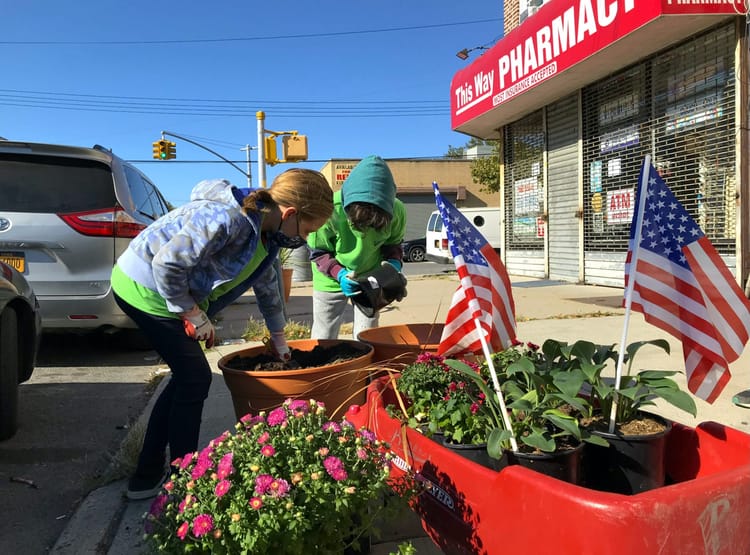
<point x="562" y="182"/>
<point x="677" y="106"/>
<point x="523" y="193"/>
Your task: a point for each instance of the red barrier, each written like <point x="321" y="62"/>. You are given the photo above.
<point x="470" y="509"/>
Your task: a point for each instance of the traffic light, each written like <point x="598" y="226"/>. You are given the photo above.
<point x="270" y="150"/>
<point x="159" y="150"/>
<point x="170" y="150"/>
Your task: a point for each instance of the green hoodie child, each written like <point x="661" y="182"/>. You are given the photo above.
<point x="366" y="228"/>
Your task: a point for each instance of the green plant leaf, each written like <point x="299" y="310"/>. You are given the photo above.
<point x="677" y="398"/>
<point x="564" y="421"/>
<point x="537" y="440"/>
<point x="497" y="441"/>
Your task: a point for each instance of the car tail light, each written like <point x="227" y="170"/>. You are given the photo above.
<point x="444" y="244"/>
<point x="109" y="222"/>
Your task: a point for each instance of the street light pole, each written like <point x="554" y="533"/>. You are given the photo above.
<point x="247" y="149"/>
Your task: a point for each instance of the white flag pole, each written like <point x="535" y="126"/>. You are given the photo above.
<point x="643" y="191"/>
<point x="496" y="384"/>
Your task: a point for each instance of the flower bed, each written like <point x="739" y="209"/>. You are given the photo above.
<point x="472" y="509"/>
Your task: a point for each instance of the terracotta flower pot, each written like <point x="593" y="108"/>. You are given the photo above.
<point x="338" y="385"/>
<point x="402" y="343"/>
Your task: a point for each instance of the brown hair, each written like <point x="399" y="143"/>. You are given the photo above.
<point x="306" y="190"/>
<point x="363" y="215"/>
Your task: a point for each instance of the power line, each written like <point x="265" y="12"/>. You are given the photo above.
<point x="222" y="108"/>
<point x="247" y="39"/>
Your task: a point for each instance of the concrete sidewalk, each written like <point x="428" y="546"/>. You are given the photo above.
<point x="106" y="523"/>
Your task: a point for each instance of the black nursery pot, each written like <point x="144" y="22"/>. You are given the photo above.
<point x="563" y="465"/>
<point x="475" y="452"/>
<point x="630" y="465"/>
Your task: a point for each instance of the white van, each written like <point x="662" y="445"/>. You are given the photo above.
<point x="485" y="219"/>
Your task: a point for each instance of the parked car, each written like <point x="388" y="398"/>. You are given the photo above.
<point x="20" y="333"/>
<point x="66" y="214"/>
<point x="414" y="250"/>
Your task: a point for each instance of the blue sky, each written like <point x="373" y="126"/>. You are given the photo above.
<point x="118" y="73"/>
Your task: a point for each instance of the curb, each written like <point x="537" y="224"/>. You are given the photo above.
<point x="96" y="520"/>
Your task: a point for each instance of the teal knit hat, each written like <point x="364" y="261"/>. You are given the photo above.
<point x="370" y="181"/>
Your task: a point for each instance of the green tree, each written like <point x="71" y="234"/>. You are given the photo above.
<point x="485" y="170"/>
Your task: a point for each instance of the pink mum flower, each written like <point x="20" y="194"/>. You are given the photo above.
<point x="474" y="408"/>
<point x="335" y="468"/>
<point x="268" y="450"/>
<point x="225" y="466"/>
<point x="278" y="488"/>
<point x="331" y="426"/>
<point x="299" y="407"/>
<point x="186" y="460"/>
<point x="262" y="482"/>
<point x="183" y="530"/>
<point x="222" y="488"/>
<point x="361" y="454"/>
<point x="201" y="467"/>
<point x="323" y="451"/>
<point x="202" y="525"/>
<point x="158" y="505"/>
<point x="264" y="437"/>
<point x="256" y="503"/>
<point x="277" y="416"/>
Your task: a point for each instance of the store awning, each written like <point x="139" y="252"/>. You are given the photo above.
<point x="566" y="45"/>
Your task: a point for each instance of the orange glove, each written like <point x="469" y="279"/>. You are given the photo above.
<point x="198" y="326"/>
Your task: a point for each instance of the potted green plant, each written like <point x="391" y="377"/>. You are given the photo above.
<point x="444" y="405"/>
<point x="287" y="481"/>
<point x="632" y="461"/>
<point x="541" y="393"/>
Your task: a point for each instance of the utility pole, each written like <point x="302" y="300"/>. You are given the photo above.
<point x="247" y="149"/>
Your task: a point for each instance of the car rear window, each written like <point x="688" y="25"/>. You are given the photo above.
<point x="53" y="184"/>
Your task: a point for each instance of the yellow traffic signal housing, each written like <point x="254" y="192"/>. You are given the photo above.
<point x="294" y="148"/>
<point x="157" y="149"/>
<point x="170" y="150"/>
<point x="270" y="151"/>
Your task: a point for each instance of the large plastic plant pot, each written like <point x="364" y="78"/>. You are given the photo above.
<point x="402" y="343"/>
<point x="468" y="508"/>
<point x="338" y="385"/>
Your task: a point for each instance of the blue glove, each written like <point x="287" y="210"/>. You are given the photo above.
<point x="395" y="263"/>
<point x="348" y="286"/>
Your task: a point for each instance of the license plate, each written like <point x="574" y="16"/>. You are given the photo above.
<point x="15" y="259"/>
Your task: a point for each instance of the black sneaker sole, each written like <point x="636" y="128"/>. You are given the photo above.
<point x="140" y="494"/>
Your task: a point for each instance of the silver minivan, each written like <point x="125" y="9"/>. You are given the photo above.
<point x="66" y="214"/>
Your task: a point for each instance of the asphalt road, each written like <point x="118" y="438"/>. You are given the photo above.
<point x="73" y="414"/>
<point x="75" y="411"/>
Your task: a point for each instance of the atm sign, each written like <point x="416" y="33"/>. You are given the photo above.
<point x="620" y="205"/>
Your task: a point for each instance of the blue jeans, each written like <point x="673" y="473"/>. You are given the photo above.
<point x="175" y="419"/>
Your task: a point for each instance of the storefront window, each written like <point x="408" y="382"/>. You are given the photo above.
<point x="524" y="182"/>
<point x="678" y="107"/>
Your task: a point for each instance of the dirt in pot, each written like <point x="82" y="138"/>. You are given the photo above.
<point x="319" y="356"/>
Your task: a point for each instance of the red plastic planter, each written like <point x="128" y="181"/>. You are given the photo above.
<point x="472" y="509"/>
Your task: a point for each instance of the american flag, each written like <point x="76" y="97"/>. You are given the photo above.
<point x="684" y="287"/>
<point x="484" y="293"/>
